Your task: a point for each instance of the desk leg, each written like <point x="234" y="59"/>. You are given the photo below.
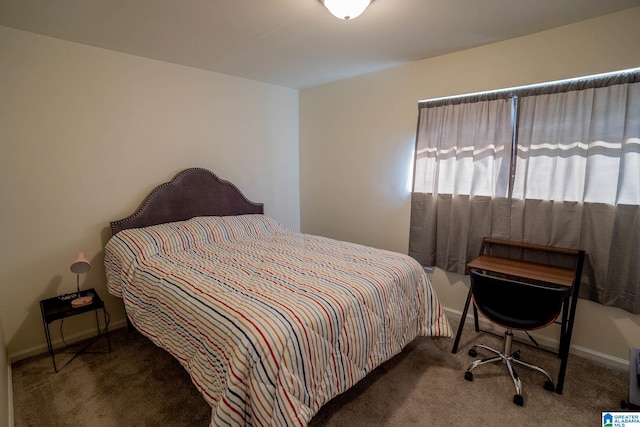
<point x="563" y="371"/>
<point x="48" y="337"/>
<point x="461" y="325"/>
<point x="50" y="346"/>
<point x="568" y="316"/>
<point x="106" y="326"/>
<point x="97" y="321"/>
<point x="564" y="327"/>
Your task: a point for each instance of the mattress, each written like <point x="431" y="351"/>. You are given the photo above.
<point x="270" y="324"/>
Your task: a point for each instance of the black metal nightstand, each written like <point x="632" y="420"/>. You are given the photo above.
<point x="60" y="307"/>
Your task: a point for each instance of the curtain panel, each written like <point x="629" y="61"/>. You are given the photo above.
<point x="556" y="165"/>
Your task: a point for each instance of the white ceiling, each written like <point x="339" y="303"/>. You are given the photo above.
<point x="293" y="43"/>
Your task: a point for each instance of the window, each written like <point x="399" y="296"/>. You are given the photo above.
<point x="555" y="164"/>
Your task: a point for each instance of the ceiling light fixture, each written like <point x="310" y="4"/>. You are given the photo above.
<point x="346" y="9"/>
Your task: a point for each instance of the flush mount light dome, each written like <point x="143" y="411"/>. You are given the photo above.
<point x="346" y="9"/>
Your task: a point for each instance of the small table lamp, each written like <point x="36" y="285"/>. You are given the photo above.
<point x="80" y="266"/>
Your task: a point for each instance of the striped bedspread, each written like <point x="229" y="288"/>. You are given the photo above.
<point x="270" y="324"/>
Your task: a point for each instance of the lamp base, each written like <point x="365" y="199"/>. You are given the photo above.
<point x="79" y="302"/>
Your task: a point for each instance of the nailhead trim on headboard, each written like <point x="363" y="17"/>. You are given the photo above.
<point x="192" y="192"/>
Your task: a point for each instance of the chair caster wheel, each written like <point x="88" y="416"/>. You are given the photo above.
<point x="518" y="400"/>
<point x="548" y="385"/>
<point x="516" y="355"/>
<point x="468" y="376"/>
<point x="473" y="352"/>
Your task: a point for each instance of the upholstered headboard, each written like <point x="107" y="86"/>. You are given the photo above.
<point x="193" y="192"/>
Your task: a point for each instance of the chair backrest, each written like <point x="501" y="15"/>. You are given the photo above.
<point x="516" y="304"/>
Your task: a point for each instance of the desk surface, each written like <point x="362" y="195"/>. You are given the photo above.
<point x="528" y="270"/>
<point x="56" y="308"/>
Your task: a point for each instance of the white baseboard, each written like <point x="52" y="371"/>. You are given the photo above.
<point x="545" y="341"/>
<point x="70" y="339"/>
<point x="10" y="421"/>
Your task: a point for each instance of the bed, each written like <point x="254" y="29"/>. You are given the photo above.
<point x="271" y="324"/>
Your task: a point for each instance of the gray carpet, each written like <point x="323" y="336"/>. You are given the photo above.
<point x="138" y="384"/>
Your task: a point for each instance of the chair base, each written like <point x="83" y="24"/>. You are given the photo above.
<point x="508" y="359"/>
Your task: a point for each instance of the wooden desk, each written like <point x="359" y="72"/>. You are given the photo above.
<point x="524" y="270"/>
<point x="550" y="274"/>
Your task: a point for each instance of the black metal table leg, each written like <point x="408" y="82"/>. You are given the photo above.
<point x="461" y="325"/>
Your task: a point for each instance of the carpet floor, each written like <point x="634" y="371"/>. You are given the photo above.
<point x="138" y="384"/>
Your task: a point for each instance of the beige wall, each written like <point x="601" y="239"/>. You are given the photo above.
<point x="86" y="133"/>
<point x="357" y="136"/>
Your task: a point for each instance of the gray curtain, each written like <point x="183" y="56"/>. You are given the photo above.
<point x="563" y="171"/>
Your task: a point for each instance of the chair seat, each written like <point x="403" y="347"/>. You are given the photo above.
<point x="514" y="304"/>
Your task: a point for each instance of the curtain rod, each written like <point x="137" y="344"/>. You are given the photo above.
<point x="581" y="83"/>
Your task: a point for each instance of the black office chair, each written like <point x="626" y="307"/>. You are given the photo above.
<point x="514" y="305"/>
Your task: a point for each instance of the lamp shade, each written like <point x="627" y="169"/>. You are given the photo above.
<point x="346" y="9"/>
<point x="80" y="264"/>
